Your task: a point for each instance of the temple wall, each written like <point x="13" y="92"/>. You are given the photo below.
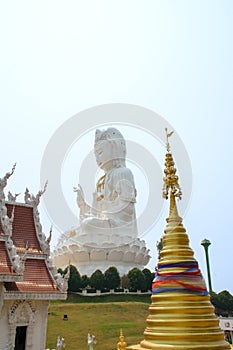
<point x="30" y="313"/>
<point x="41" y="325"/>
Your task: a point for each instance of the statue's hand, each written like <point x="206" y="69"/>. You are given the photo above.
<point x="80" y="196"/>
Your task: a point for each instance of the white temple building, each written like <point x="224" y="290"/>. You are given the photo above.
<point x="107" y="234"/>
<point x="28" y="280"/>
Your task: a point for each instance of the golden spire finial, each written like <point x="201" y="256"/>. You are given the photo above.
<point x="121" y="345"/>
<point x="170" y="179"/>
<point x="168" y="135"/>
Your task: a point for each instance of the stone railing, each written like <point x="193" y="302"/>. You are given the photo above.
<point x="112" y="291"/>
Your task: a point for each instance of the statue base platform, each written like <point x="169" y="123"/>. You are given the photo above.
<point x="89" y="252"/>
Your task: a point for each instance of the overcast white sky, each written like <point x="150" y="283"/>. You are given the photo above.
<point x="172" y="57"/>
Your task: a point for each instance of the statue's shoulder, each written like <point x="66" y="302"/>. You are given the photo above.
<point x="120" y="179"/>
<point x="122" y="173"/>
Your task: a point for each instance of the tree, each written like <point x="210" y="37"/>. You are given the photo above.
<point x="125" y="282"/>
<point x="223" y="302"/>
<point x="137" y="279"/>
<point x="149" y="276"/>
<point x="112" y="278"/>
<point x="84" y="281"/>
<point x="97" y="280"/>
<point x="74" y="280"/>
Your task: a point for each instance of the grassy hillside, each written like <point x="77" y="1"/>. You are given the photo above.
<point x="103" y="319"/>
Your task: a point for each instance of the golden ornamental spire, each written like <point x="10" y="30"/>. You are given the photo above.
<point x="170" y="179"/>
<point x="181" y="316"/>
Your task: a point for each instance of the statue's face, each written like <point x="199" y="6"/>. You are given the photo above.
<point x="103" y="154"/>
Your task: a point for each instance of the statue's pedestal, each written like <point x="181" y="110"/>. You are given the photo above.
<point x="89" y="252"/>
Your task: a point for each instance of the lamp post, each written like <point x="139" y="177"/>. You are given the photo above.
<point x="206" y="243"/>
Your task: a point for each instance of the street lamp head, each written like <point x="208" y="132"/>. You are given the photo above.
<point x="205" y="242"/>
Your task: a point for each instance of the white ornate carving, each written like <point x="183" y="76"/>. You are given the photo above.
<point x="18" y="262"/>
<point x="34" y="200"/>
<point x="62" y="282"/>
<point x="11" y="247"/>
<point x="3" y="182"/>
<point x="6" y="222"/>
<point x="50" y="266"/>
<point x="34" y="296"/>
<point x="21" y="313"/>
<point x="12" y="198"/>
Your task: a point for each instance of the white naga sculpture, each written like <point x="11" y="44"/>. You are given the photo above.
<point x="107" y="234"/>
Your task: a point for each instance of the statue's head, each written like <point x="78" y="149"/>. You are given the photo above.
<point x="110" y="148"/>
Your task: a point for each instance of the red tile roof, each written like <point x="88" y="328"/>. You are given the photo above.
<point x="24" y="228"/>
<point x="36" y="279"/>
<point x="5" y="263"/>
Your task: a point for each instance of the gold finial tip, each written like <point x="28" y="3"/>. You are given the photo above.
<point x="168" y="134"/>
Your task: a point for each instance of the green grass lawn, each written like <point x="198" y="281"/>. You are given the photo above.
<point x="103" y="319"/>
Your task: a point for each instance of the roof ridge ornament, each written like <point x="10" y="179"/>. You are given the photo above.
<point x="6" y="221"/>
<point x="3" y="182"/>
<point x="12" y="198"/>
<point x="62" y="281"/>
<point x="33" y="200"/>
<point x="50" y="234"/>
<point x="18" y="262"/>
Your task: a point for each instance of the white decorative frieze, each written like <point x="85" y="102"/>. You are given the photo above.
<point x="34" y="296"/>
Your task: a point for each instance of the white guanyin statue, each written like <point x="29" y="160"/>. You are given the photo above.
<point x="107" y="234"/>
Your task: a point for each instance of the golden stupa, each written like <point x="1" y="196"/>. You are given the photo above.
<point x="181" y="316"/>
